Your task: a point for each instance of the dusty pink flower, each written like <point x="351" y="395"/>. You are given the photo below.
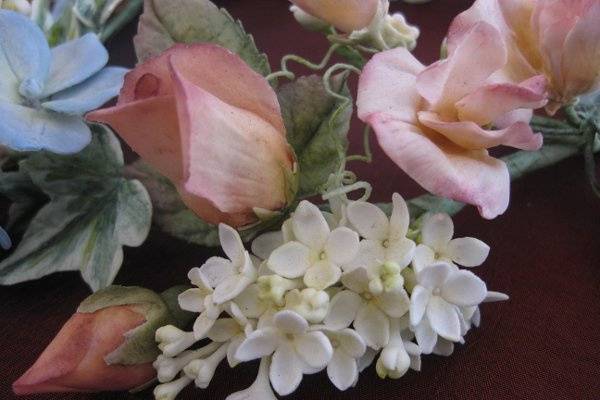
<point x="345" y="15"/>
<point x="435" y="122"/>
<point x="75" y="360"/>
<point x="213" y="126"/>
<point x="557" y="38"/>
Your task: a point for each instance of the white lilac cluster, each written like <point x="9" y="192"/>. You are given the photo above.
<point x="327" y="292"/>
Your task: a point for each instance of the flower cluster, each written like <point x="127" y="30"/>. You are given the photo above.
<point x="327" y="292"/>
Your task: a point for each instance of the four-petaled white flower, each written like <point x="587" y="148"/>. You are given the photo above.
<point x="229" y="277"/>
<point x="317" y="253"/>
<point x="294" y="348"/>
<point x="348" y="348"/>
<point x="369" y="312"/>
<point x="441" y="289"/>
<point x="384" y="240"/>
<point x="437" y="245"/>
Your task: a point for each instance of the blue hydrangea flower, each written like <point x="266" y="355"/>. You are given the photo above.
<point x="44" y="92"/>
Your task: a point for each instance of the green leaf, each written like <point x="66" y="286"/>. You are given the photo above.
<point x="166" y="22"/>
<point x="317" y="128"/>
<point x="93" y="211"/>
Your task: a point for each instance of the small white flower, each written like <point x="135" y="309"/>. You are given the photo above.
<point x="294" y="348"/>
<point x="437" y="245"/>
<point x="260" y="389"/>
<point x="348" y="348"/>
<point x="310" y="303"/>
<point x="370" y="312"/>
<point x="400" y="354"/>
<point x="233" y="331"/>
<point x="229" y="277"/>
<point x="172" y="340"/>
<point x="167" y="368"/>
<point x="317" y="253"/>
<point x="441" y="289"/>
<point x="385" y="240"/>
<point x="203" y="370"/>
<point x="169" y="391"/>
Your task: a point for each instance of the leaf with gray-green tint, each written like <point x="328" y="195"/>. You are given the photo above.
<point x="92" y="212"/>
<point x="317" y="128"/>
<point x="166" y="22"/>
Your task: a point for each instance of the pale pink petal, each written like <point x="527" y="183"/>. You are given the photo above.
<point x="232" y="158"/>
<point x="490" y="102"/>
<point x="447" y="81"/>
<point x="471" y="136"/>
<point x="443" y="168"/>
<point x="387" y="84"/>
<point x="346" y="15"/>
<point x="151" y="128"/>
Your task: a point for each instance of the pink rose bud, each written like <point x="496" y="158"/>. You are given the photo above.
<point x="204" y="119"/>
<point x="75" y="360"/>
<point x="557" y="38"/>
<point x="345" y="15"/>
<point x="107" y="345"/>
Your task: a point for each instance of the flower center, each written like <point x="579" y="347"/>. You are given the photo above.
<point x="386" y="243"/>
<point x="334" y="343"/>
<point x="289" y="336"/>
<point x="436" y="291"/>
<point x="322" y="256"/>
<point x="367" y="296"/>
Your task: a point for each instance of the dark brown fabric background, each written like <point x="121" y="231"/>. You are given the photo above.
<point x="542" y="344"/>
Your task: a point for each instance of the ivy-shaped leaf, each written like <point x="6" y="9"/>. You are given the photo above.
<point x="93" y="211"/>
<point x="166" y="22"/>
<point x="317" y="127"/>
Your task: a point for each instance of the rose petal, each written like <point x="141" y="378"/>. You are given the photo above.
<point x="444" y="168"/>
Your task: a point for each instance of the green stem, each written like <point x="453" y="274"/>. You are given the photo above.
<point x="121" y="19"/>
<point x="286" y="73"/>
<point x="368" y="157"/>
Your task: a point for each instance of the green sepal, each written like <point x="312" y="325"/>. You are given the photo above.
<point x="166" y="22"/>
<point x="139" y="346"/>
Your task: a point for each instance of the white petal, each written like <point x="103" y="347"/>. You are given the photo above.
<point x="426" y="337"/>
<point x="356" y="280"/>
<point x="286" y="370"/>
<point x="223" y="330"/>
<point x="342" y="309"/>
<point x="230" y="288"/>
<point x="437" y="231"/>
<point x="265" y="244"/>
<point x="258" y="344"/>
<point x="342" y="245"/>
<point x="367" y="359"/>
<point x="216" y="270"/>
<point x="290" y="260"/>
<point x="443" y="318"/>
<point x="249" y="303"/>
<point x="202" y="325"/>
<point x="314" y="348"/>
<point x="400" y="251"/>
<point x="434" y="276"/>
<point x="232" y="244"/>
<point x="342" y="370"/>
<point x="322" y="275"/>
<point x="192" y="300"/>
<point x="400" y="218"/>
<point x="373" y="326"/>
<point x="418" y="304"/>
<point x="424" y="256"/>
<point x="464" y="289"/>
<point x="260" y="389"/>
<point x="351" y="343"/>
<point x="369" y="220"/>
<point x="495" y="296"/>
<point x="232" y="349"/>
<point x="370" y="254"/>
<point x="443" y="347"/>
<point x="197" y="278"/>
<point x="290" y="322"/>
<point x="467" y="251"/>
<point x="309" y="226"/>
<point x="395" y="303"/>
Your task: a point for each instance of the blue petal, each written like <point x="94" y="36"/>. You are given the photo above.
<point x="5" y="241"/>
<point x="26" y="50"/>
<point x="28" y="129"/>
<point x="90" y="94"/>
<point x="75" y="61"/>
<point x="9" y="85"/>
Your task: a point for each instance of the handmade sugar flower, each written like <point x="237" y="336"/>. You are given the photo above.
<point x="20" y="6"/>
<point x="216" y="132"/>
<point x="342" y="325"/>
<point x="44" y="92"/>
<point x="435" y="122"/>
<point x="557" y="38"/>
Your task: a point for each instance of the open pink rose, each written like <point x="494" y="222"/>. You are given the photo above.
<point x="75" y="360"/>
<point x="345" y="15"/>
<point x="435" y="122"/>
<point x="204" y="119"/>
<point x="559" y="38"/>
